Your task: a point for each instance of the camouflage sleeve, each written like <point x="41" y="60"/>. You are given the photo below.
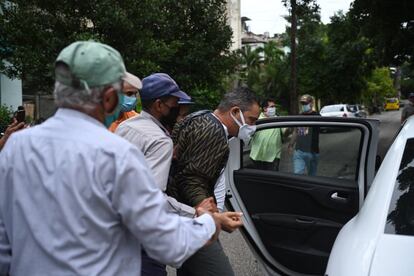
<point x="206" y="149"/>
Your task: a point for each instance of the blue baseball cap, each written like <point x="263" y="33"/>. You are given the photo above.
<point x="159" y="85"/>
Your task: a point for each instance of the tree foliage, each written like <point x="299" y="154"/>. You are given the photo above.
<point x="407" y="79"/>
<point x="264" y="69"/>
<point x="379" y="86"/>
<point x="390" y="25"/>
<point x="5" y="117"/>
<point x="349" y="61"/>
<point x="188" y="39"/>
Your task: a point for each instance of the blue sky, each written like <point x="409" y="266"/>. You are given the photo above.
<point x="266" y="15"/>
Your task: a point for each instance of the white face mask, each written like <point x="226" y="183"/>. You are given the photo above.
<point x="245" y="131"/>
<point x="271" y="111"/>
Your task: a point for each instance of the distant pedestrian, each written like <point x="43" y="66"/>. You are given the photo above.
<point x="201" y="149"/>
<point x="13" y="127"/>
<point x="130" y="89"/>
<point x="305" y="142"/>
<point x="408" y="108"/>
<point x="76" y="199"/>
<point x="266" y="145"/>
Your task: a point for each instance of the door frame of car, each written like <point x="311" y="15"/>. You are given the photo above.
<point x="365" y="174"/>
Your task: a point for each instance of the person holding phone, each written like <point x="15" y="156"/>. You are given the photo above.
<point x="20" y="114"/>
<point x="13" y="127"/>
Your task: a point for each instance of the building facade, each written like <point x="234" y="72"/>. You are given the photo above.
<point x="234" y="20"/>
<point x="10" y="92"/>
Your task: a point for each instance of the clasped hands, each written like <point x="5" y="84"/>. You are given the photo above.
<point x="227" y="221"/>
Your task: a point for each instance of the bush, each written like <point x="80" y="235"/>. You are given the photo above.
<point x="6" y="115"/>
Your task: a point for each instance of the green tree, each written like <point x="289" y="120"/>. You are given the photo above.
<point x="273" y="77"/>
<point x="390" y="25"/>
<point x="379" y="86"/>
<point x="5" y="117"/>
<point x="192" y="45"/>
<point x="349" y="61"/>
<point x="250" y="62"/>
<point x="264" y="70"/>
<point x="407" y="79"/>
<point x="298" y="9"/>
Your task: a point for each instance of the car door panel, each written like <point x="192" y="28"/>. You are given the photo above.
<point x="289" y="230"/>
<point x="292" y="220"/>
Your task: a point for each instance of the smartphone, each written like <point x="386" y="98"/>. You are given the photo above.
<point x="20" y="116"/>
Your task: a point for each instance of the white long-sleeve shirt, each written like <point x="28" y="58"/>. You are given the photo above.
<point x="75" y="199"/>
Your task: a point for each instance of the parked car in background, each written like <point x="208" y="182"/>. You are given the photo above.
<point x="337" y="110"/>
<point x="358" y="110"/>
<point x="391" y="104"/>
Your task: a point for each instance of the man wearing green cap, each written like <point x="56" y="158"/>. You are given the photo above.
<point x="76" y="199"/>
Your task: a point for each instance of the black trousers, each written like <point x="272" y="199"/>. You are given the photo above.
<point x="208" y="261"/>
<point x="151" y="267"/>
<point x="267" y="166"/>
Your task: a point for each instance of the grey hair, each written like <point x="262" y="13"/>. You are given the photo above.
<point x="85" y="98"/>
<point x="241" y="96"/>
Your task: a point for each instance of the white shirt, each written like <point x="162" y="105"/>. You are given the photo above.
<point x="220" y="186"/>
<point x="75" y="199"/>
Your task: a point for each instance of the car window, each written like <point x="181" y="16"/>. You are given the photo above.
<point x="342" y="109"/>
<point x="326" y="109"/>
<point x="400" y="219"/>
<point x="310" y="150"/>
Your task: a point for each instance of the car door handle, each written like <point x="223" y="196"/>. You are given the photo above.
<point x="304" y="221"/>
<point x="339" y="198"/>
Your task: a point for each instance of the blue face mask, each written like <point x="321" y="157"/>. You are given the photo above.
<point x="128" y="104"/>
<point x="110" y="118"/>
<point x="306" y="107"/>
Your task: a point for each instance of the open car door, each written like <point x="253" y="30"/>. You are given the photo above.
<point x="300" y="179"/>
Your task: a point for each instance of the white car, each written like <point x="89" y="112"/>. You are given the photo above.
<point x="292" y="220"/>
<point x="337" y="110"/>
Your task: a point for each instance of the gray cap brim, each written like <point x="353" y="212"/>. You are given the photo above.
<point x="132" y="80"/>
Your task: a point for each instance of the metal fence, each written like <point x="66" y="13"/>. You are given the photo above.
<point x="39" y="107"/>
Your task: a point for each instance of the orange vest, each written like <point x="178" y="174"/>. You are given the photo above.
<point x="122" y="117"/>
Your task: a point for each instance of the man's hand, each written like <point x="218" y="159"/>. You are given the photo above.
<point x="201" y="211"/>
<point x="15" y="126"/>
<point x="229" y="221"/>
<point x="207" y="205"/>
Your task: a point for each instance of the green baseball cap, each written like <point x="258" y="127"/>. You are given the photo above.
<point x="91" y="64"/>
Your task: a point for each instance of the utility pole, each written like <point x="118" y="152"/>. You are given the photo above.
<point x="294" y="110"/>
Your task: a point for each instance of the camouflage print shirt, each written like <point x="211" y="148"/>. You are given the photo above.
<point x="200" y="153"/>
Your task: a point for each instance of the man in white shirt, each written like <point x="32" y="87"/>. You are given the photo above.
<point x="76" y="199"/>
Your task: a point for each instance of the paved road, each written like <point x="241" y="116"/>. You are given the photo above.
<point x="241" y="258"/>
<point x="390" y="123"/>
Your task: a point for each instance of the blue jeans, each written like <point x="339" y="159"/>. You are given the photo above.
<point x="305" y="160"/>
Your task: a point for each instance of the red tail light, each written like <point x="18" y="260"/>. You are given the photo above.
<point x="344" y="115"/>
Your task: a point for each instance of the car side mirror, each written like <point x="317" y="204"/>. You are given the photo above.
<point x="378" y="162"/>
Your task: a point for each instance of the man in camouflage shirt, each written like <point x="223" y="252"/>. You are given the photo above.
<point x="201" y="153"/>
